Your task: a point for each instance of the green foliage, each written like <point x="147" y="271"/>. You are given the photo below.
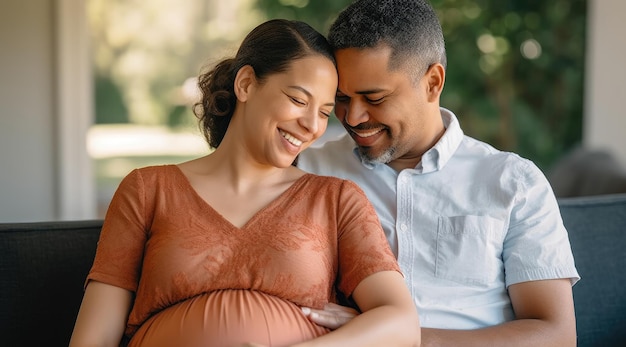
<point x="515" y="68"/>
<point x="146" y="50"/>
<point x="318" y="13"/>
<point x="529" y="104"/>
<point x="109" y="101"/>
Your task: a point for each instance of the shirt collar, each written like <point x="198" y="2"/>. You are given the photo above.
<point x="435" y="158"/>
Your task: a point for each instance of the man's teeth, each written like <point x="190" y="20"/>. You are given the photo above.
<point x="367" y="134"/>
<point x="294" y="141"/>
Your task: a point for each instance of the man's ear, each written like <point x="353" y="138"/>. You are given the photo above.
<point x="244" y="82"/>
<point x="435" y="79"/>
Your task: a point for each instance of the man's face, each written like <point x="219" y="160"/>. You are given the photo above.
<point x="387" y="113"/>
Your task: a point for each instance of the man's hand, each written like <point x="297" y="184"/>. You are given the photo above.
<point x="332" y="316"/>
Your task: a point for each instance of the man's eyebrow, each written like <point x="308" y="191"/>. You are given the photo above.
<point x="309" y="94"/>
<point x="365" y="92"/>
<point x="370" y="91"/>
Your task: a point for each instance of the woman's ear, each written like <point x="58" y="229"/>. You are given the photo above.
<point x="435" y="77"/>
<point x="244" y="81"/>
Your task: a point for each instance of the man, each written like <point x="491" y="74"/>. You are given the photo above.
<point x="477" y="232"/>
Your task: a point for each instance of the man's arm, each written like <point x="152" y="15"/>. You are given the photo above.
<point x="544" y="313"/>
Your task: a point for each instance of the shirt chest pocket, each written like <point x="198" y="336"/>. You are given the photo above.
<point x="469" y="249"/>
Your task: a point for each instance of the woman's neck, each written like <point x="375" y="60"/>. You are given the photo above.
<point x="239" y="171"/>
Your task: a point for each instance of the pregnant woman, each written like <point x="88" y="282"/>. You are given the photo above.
<point x="223" y="250"/>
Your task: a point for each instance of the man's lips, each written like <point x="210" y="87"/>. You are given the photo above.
<point x="366" y="137"/>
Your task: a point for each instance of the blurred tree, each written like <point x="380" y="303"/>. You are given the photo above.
<point x="318" y="13"/>
<point x="516" y="72"/>
<point x="111" y="107"/>
<point x="143" y="52"/>
<point x="515" y="68"/>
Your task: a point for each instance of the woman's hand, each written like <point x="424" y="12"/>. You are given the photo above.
<point x="332" y="316"/>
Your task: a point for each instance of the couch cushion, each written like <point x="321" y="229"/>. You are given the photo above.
<point x="42" y="270"/>
<point x="597" y="232"/>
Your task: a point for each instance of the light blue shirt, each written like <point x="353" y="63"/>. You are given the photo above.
<point x="465" y="224"/>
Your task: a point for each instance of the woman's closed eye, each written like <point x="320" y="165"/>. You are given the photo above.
<point x="297" y="101"/>
<point x="301" y="102"/>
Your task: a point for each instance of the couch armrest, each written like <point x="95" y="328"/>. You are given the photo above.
<point x="42" y="270"/>
<point x="597" y="232"/>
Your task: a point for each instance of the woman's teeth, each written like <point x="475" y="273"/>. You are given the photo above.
<point x="294" y="141"/>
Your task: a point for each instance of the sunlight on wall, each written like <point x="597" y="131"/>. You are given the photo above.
<point x="105" y="141"/>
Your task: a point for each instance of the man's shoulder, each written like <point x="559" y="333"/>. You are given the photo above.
<point x="496" y="162"/>
<point x="328" y="158"/>
<point x="484" y="151"/>
<point x="343" y="145"/>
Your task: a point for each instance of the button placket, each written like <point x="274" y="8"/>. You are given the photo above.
<point x="403" y="225"/>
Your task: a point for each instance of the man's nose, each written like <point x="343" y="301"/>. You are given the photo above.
<point x="356" y="113"/>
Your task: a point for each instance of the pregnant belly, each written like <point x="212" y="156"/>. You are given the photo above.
<point x="227" y="318"/>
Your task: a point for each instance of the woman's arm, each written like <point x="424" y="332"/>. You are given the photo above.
<point x="389" y="316"/>
<point x="102" y="316"/>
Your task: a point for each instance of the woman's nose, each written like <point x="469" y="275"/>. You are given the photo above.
<point x="310" y="121"/>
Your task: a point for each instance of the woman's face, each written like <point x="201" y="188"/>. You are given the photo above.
<point x="289" y="110"/>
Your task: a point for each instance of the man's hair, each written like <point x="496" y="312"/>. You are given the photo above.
<point x="409" y="27"/>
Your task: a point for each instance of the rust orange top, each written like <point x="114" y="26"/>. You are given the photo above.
<point x="163" y="242"/>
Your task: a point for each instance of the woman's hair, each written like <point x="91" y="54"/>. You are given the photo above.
<point x="409" y="27"/>
<point x="269" y="48"/>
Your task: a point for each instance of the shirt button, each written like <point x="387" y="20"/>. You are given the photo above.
<point x="403" y="227"/>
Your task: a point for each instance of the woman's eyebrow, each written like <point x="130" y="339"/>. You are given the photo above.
<point x="301" y="89"/>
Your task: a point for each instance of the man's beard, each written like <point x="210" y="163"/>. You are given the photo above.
<point x="383" y="158"/>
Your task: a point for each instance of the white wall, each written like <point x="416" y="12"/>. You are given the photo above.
<point x="44" y="168"/>
<point x="605" y="93"/>
<point x="27" y="122"/>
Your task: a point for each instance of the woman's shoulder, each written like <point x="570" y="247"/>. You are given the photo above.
<point x="323" y="179"/>
<point x="322" y="182"/>
<point x="156" y="170"/>
<point x="152" y="175"/>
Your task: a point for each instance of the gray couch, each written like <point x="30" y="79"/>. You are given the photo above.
<point x="43" y="267"/>
<point x="597" y="232"/>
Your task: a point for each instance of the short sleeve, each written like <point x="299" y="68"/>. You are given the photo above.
<point x="536" y="246"/>
<point x="362" y="245"/>
<point x="124" y="233"/>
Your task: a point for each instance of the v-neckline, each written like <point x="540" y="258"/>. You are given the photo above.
<point x="205" y="205"/>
